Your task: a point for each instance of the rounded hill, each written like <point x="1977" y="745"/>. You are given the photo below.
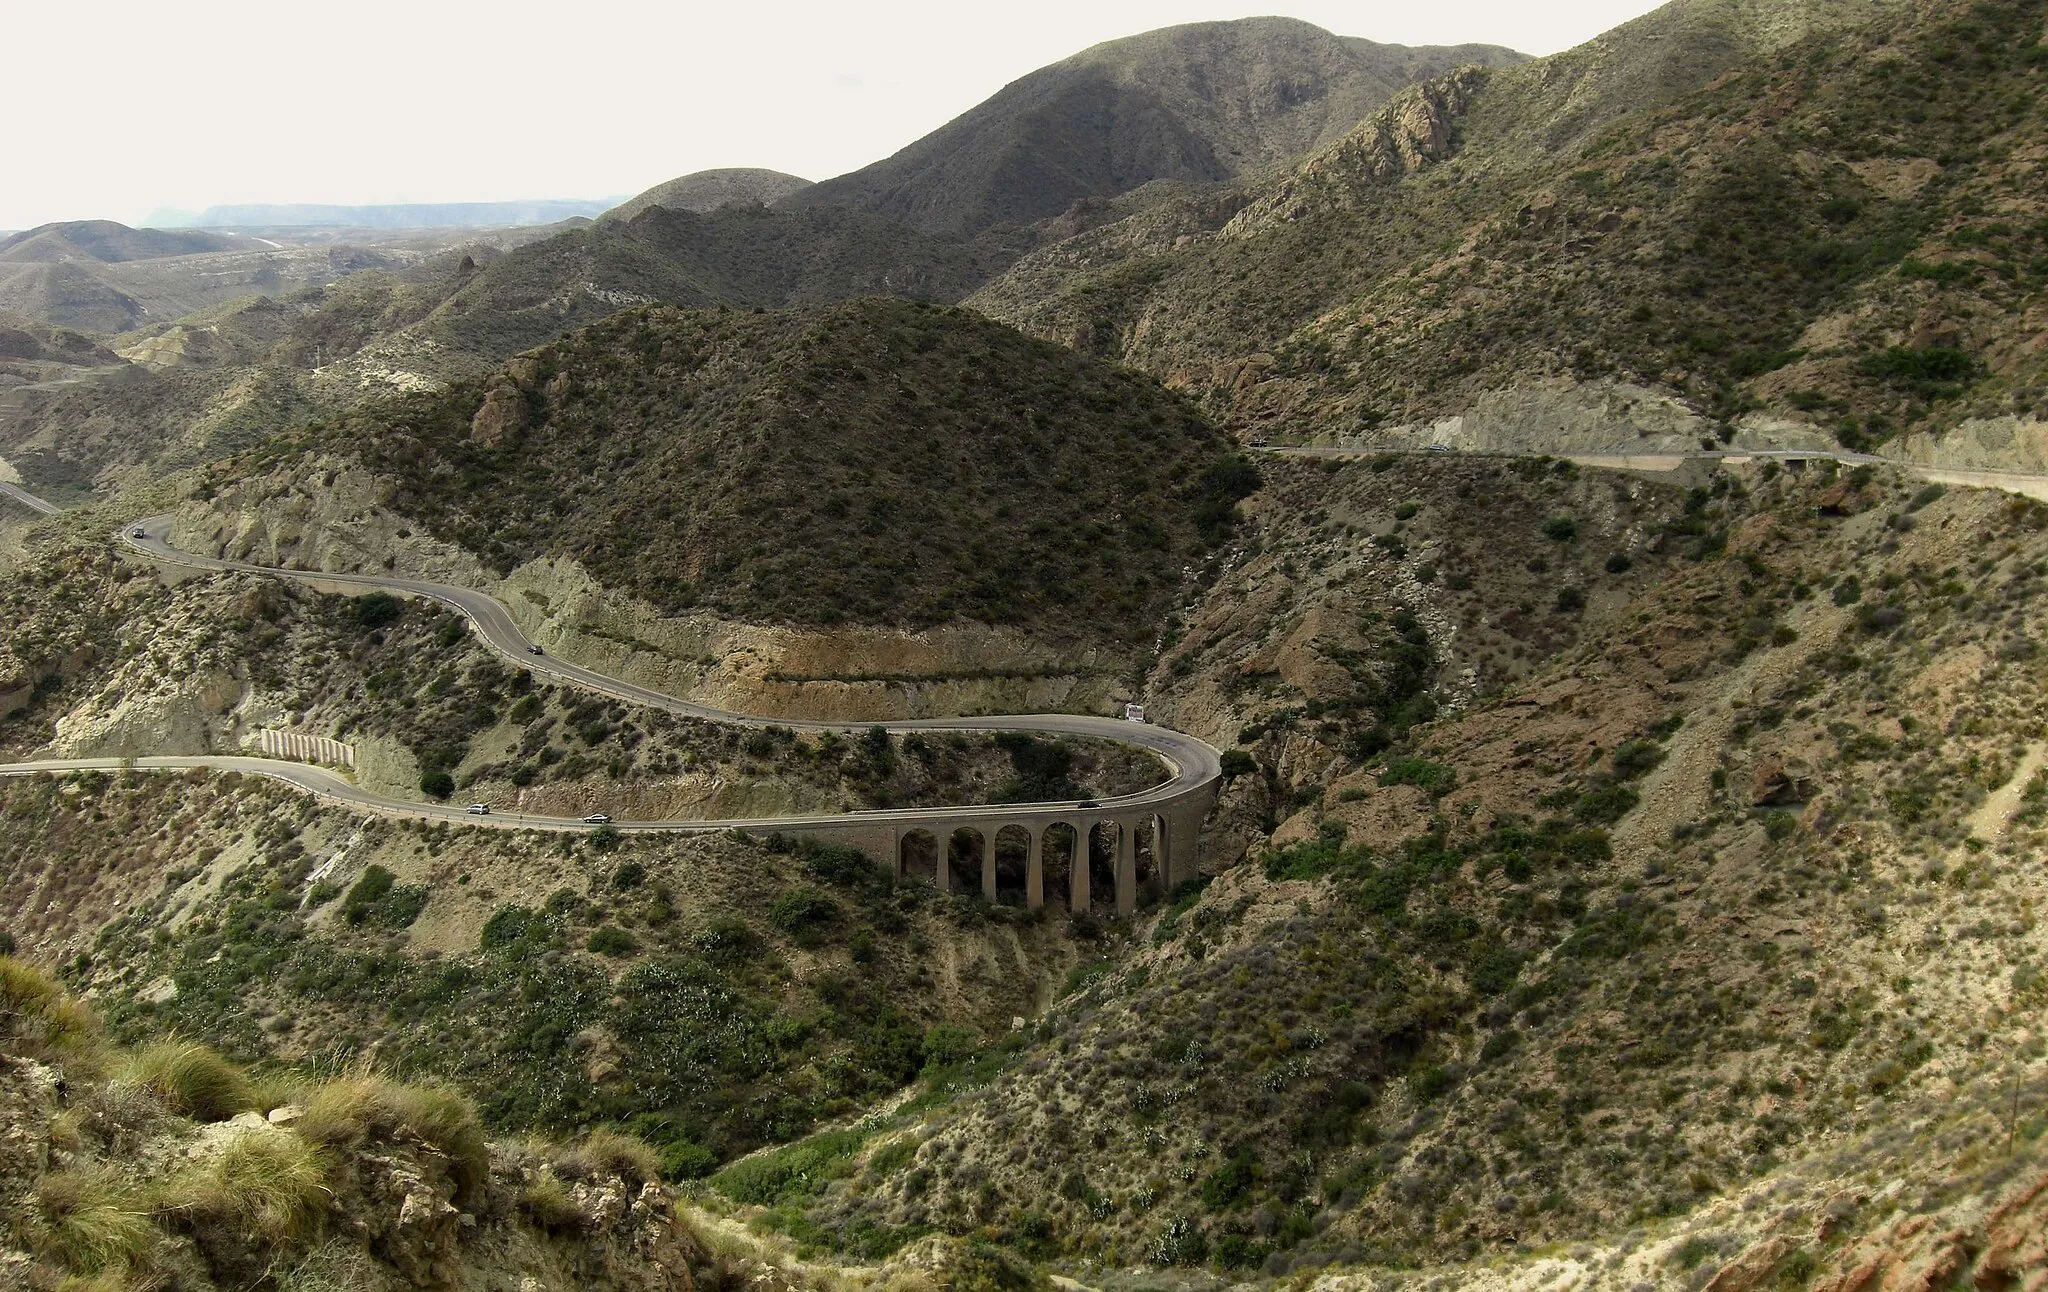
<point x="707" y="190"/>
<point x="880" y="461"/>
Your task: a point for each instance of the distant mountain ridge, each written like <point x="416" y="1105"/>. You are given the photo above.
<point x="400" y="215"/>
<point x="1200" y="103"/>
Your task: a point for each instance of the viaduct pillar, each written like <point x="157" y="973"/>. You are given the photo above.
<point x="1126" y="867"/>
<point x="1034" y="869"/>
<point x="1077" y="870"/>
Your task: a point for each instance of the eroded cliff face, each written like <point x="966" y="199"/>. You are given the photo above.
<point x="858" y="673"/>
<point x="329" y="516"/>
<point x="1979" y="444"/>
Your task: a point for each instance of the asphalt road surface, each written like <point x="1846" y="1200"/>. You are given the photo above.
<point x="28" y="500"/>
<point x="2029" y="483"/>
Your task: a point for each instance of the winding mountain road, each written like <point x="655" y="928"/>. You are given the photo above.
<point x="1195" y="765"/>
<point x="29" y="500"/>
<point x="2029" y="484"/>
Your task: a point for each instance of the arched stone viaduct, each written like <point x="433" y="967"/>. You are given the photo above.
<point x="1034" y="853"/>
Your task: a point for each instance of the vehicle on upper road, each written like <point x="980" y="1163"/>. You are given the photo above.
<point x="1439" y="448"/>
<point x="139" y="532"/>
<point x="1134" y="713"/>
<point x="1087" y="803"/>
<point x="598" y="818"/>
<point x="535" y="650"/>
<point x="479" y="809"/>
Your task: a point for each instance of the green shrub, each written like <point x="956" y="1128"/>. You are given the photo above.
<point x="1236" y="763"/>
<point x="801" y="912"/>
<point x="437" y="784"/>
<point x="376" y="609"/>
<point x="1779" y="824"/>
<point x="517" y="930"/>
<point x="946" y="1044"/>
<point x="1561" y="529"/>
<point x="1434" y="779"/>
<point x="1636" y="759"/>
<point x="791" y="1172"/>
<point x="1229" y="1184"/>
<point x="892" y="1156"/>
<point x="378" y="898"/>
<point x="612" y="940"/>
<point x="1924" y="370"/>
<point x="1605" y="804"/>
<point x="685" y="1160"/>
<point x="1619" y="563"/>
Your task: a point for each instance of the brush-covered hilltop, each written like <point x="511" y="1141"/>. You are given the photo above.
<point x="892" y="496"/>
<point x="1812" y="221"/>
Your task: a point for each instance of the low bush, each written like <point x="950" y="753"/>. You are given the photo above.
<point x="790" y="1172"/>
<point x="946" y="1044"/>
<point x="801" y="911"/>
<point x="1605" y="804"/>
<point x="376" y="609"/>
<point x="612" y="940"/>
<point x="1434" y="779"/>
<point x="1636" y="759"/>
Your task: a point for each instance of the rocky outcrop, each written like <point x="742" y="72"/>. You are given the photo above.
<point x="1417" y="129"/>
<point x="856" y="673"/>
<point x="1979" y="444"/>
<point x="319" y="515"/>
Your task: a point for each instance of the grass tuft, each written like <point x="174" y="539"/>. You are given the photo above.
<point x="94" y="1220"/>
<point x="547" y="1202"/>
<point x="349" y="1110"/>
<point x="191" y="1079"/>
<point x="39" y="1018"/>
<point x="607" y="1152"/>
<point x="269" y="1184"/>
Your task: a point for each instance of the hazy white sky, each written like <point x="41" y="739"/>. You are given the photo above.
<point x="124" y="106"/>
